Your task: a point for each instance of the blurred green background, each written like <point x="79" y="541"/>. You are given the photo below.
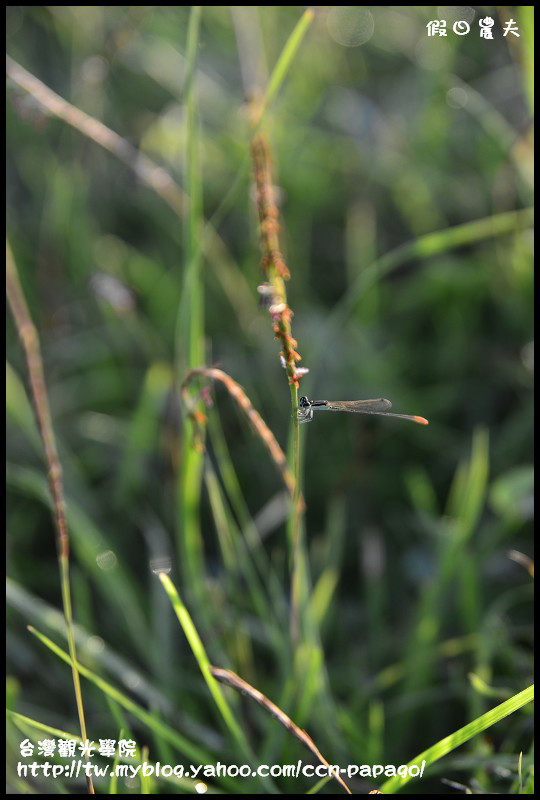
<point x="380" y="136"/>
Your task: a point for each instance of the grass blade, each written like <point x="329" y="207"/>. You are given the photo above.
<point x="449" y="743"/>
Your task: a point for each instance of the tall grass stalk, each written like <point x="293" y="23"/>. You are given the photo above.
<point x="34" y="362"/>
<point x="190" y="336"/>
<point x="273" y="291"/>
<point x="308" y="663"/>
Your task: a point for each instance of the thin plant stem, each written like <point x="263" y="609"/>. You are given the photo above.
<point x="189" y="343"/>
<point x="258" y="424"/>
<point x="295" y="523"/>
<point x="151" y="174"/>
<point x="146" y="170"/>
<point x="285" y="60"/>
<point x="230" y="678"/>
<point x="30" y="342"/>
<point x="274" y="294"/>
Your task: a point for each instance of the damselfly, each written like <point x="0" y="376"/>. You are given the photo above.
<point x="381" y="407"/>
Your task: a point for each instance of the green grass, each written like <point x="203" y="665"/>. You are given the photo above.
<point x="391" y="618"/>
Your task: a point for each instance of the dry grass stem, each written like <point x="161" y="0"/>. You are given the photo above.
<point x="146" y="170"/>
<point x="232" y="679"/>
<point x="258" y="424"/>
<point x="30" y="342"/>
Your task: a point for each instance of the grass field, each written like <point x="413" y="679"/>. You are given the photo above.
<point x="191" y="192"/>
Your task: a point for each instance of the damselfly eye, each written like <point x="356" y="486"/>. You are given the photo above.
<point x="303" y="402"/>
